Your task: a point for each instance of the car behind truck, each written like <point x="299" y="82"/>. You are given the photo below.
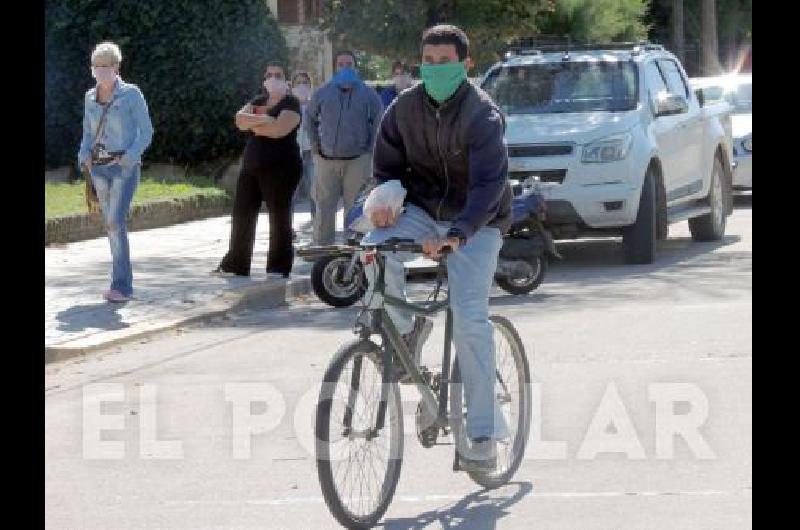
<point x="616" y="141"/>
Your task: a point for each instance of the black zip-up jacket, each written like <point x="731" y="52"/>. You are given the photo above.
<point x="451" y="158"/>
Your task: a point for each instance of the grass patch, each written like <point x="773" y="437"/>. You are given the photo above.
<point x="62" y="199"/>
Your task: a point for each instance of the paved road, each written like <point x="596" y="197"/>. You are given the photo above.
<point x="609" y="343"/>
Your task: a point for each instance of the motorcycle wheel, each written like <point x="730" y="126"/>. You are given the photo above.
<point x="329" y="285"/>
<point x="536" y="269"/>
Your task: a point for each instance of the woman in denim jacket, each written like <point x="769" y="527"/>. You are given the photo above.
<point x="114" y="159"/>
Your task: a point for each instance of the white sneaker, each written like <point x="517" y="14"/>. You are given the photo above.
<point x="480" y="456"/>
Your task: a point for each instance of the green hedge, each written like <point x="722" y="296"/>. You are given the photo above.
<point x="196" y="61"/>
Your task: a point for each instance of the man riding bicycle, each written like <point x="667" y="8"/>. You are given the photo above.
<point x="443" y="139"/>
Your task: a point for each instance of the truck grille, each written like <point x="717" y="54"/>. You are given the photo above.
<point x="539" y="150"/>
<point x="542" y="175"/>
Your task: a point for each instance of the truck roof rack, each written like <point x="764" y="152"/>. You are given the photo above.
<point x="536" y="46"/>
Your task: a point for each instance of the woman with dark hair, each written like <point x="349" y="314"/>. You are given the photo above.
<point x="271" y="169"/>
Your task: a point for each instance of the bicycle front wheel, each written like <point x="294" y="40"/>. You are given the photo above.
<point x="512" y="390"/>
<point x="358" y="466"/>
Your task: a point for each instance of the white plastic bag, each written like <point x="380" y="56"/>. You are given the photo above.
<point x="391" y="194"/>
<point x="362" y="225"/>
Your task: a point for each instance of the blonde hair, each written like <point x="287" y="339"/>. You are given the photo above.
<point x="108" y="51"/>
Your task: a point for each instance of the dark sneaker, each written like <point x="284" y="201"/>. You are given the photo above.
<point x="480" y="457"/>
<point x="415" y="339"/>
<point x="219" y="271"/>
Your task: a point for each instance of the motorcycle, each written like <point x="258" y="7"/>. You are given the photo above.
<point x="527" y="247"/>
<point x="339" y="280"/>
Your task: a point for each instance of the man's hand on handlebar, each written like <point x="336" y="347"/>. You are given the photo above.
<point x="432" y="248"/>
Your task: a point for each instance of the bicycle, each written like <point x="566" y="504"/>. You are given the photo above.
<point x="360" y="388"/>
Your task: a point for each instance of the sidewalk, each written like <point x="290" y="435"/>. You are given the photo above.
<point x="172" y="283"/>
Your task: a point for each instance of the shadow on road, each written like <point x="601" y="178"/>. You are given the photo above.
<point x="100" y="316"/>
<point x="604" y="253"/>
<point x="592" y="270"/>
<point x="479" y="511"/>
<point x="597" y="268"/>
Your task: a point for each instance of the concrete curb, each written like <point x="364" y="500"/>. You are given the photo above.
<point x="259" y="295"/>
<point x="155" y="214"/>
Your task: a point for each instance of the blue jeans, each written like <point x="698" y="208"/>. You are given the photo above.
<point x="470" y="271"/>
<point x="115" y="186"/>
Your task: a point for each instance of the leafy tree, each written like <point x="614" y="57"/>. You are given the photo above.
<point x="596" y="20"/>
<point x="196" y="62"/>
<point x="393" y="27"/>
<point x="734" y="30"/>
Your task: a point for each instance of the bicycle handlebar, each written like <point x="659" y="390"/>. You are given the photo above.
<point x="390" y="245"/>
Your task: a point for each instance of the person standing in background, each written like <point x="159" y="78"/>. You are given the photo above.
<point x="116" y="131"/>
<point x="401" y="80"/>
<point x="343" y="118"/>
<point x="270" y="172"/>
<point x="302" y="89"/>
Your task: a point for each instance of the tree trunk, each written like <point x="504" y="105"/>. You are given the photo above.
<point x="677" y="29"/>
<point x="710" y="52"/>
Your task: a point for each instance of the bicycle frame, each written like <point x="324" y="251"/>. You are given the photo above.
<point x="437" y="406"/>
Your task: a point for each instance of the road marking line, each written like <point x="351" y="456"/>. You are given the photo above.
<point x="451" y="497"/>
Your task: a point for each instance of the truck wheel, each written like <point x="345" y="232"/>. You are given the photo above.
<point x="711" y="226"/>
<point x="639" y="239"/>
<point x="662" y="222"/>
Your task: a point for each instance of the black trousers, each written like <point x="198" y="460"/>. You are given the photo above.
<point x="274" y="185"/>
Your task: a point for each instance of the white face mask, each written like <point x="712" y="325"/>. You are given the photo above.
<point x="275" y="87"/>
<point x="105" y="75"/>
<point x="303" y="92"/>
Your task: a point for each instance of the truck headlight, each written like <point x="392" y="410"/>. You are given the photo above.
<point x="747" y="144"/>
<point x="608" y="149"/>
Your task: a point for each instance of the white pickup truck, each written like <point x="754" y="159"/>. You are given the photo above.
<point x="616" y="141"/>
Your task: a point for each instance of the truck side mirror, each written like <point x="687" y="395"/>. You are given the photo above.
<point x="701" y="99"/>
<point x="669" y="104"/>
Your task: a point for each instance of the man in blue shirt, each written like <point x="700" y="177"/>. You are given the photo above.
<point x="342" y="121"/>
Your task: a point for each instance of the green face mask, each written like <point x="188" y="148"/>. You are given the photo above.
<point x="442" y="80"/>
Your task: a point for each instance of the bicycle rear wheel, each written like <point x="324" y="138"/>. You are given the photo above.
<point x="512" y="388"/>
<point x="358" y="468"/>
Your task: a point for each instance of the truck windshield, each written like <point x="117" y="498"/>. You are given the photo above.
<point x="564" y="87"/>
